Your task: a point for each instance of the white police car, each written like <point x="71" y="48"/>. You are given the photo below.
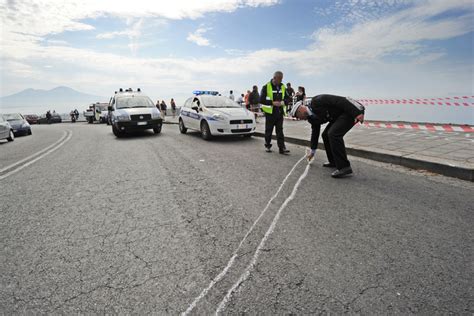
<point x="131" y="111"/>
<point x="215" y="115"/>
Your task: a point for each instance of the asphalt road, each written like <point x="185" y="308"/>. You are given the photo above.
<point x="170" y="223"/>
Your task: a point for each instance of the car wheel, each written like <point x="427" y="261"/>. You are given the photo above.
<point x="182" y="128"/>
<point x="11" y="137"/>
<point x="248" y="135"/>
<point x="118" y="133"/>
<point x="30" y="132"/>
<point x="205" y="131"/>
<point x="157" y="129"/>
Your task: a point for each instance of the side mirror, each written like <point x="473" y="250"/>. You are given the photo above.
<point x="110" y="108"/>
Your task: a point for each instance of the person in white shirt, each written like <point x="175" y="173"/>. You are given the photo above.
<point x="240" y="100"/>
<point x="231" y="95"/>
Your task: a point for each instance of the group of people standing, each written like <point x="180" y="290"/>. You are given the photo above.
<point x="162" y="107"/>
<point x="251" y="100"/>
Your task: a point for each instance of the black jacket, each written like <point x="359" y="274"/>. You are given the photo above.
<point x="254" y="98"/>
<point x="277" y="96"/>
<point x="327" y="108"/>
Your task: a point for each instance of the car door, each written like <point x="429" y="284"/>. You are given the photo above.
<point x="186" y="112"/>
<point x="195" y="116"/>
<point x="4" y="131"/>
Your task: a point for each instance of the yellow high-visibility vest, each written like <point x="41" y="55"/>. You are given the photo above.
<point x="269" y="108"/>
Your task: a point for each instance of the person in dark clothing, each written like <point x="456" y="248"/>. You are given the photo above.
<point x="163" y="107"/>
<point x="173" y="107"/>
<point x="254" y="99"/>
<point x="48" y="116"/>
<point x="342" y="114"/>
<point x="291" y="94"/>
<point x="301" y="94"/>
<point x="274" y="99"/>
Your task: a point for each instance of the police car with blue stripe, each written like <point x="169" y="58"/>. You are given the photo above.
<point x="215" y="115"/>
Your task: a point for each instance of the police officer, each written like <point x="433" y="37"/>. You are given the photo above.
<point x="342" y="114"/>
<point x="274" y="99"/>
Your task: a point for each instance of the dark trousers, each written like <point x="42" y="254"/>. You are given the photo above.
<point x="333" y="137"/>
<point x="274" y="120"/>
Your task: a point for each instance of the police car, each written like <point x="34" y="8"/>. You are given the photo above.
<point x="131" y="111"/>
<point x="215" y="115"/>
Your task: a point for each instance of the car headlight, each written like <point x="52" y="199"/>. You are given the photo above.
<point x="121" y="118"/>
<point x="218" y="117"/>
<point x="25" y="125"/>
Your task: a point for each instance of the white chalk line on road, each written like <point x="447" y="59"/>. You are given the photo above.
<point x="270" y="230"/>
<point x="35" y="154"/>
<point x="43" y="154"/>
<point x="234" y="255"/>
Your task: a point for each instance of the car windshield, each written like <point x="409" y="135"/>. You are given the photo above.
<point x="219" y="102"/>
<point x="13" y="117"/>
<point x="102" y="107"/>
<point x="134" y="102"/>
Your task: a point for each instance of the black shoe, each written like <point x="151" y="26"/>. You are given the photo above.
<point x="268" y="149"/>
<point x="284" y="151"/>
<point x="342" y="172"/>
<point x="329" y="165"/>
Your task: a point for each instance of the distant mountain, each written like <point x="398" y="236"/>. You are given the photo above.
<point x="59" y="96"/>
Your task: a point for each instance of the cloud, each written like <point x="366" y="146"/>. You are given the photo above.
<point x="42" y="17"/>
<point x="198" y="38"/>
<point x="363" y="47"/>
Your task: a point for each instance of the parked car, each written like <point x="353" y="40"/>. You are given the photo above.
<point x="215" y="115"/>
<point x="133" y="111"/>
<point x="55" y="118"/>
<point x="18" y="123"/>
<point x="32" y="118"/>
<point x="6" y="131"/>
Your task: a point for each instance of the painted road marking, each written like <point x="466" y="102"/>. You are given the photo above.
<point x="43" y="153"/>
<point x="35" y="154"/>
<point x="270" y="230"/>
<point x="232" y="259"/>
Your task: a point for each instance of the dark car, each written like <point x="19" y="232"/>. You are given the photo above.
<point x="55" y="118"/>
<point x="18" y="123"/>
<point x="32" y="118"/>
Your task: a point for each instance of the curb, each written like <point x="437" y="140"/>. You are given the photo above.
<point x="412" y="163"/>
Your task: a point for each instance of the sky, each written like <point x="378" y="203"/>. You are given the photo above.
<point x="361" y="48"/>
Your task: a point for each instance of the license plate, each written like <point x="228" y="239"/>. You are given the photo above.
<point x="241" y="126"/>
<point x="141" y="123"/>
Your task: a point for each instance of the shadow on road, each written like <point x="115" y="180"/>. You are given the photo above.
<point x="218" y="139"/>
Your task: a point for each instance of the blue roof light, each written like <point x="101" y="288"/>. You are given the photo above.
<point x="201" y="92"/>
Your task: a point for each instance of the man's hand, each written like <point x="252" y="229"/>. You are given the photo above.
<point x="277" y="103"/>
<point x="359" y="118"/>
<point x="310" y="156"/>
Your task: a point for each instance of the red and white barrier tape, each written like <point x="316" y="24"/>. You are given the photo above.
<point x="426" y="127"/>
<point x="449" y="101"/>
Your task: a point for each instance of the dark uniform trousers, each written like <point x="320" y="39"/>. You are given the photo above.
<point x="274" y="120"/>
<point x="333" y="140"/>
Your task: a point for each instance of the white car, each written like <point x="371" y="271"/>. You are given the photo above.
<point x="6" y="131"/>
<point x="133" y="111"/>
<point x="215" y="116"/>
